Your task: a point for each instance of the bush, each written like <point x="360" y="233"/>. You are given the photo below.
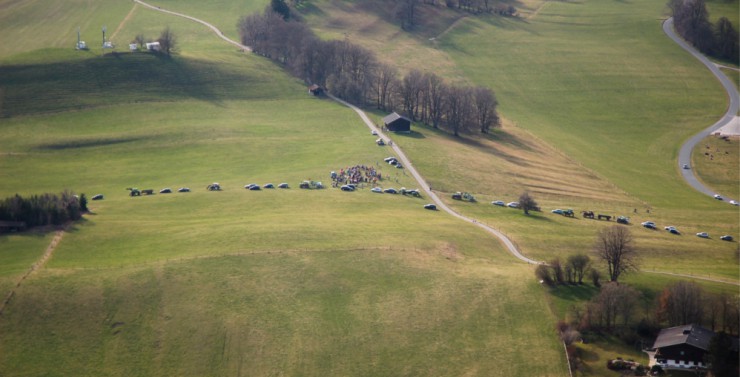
<point x="596" y="277"/>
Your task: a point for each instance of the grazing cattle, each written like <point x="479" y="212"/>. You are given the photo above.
<point x="605" y="217"/>
<point x="588" y="214"/>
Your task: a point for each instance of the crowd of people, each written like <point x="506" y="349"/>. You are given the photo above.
<point x="357" y="174"/>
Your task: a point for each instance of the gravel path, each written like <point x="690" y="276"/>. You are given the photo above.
<point x="684" y="155"/>
<point x="406" y="163"/>
<point x="210" y="26"/>
<point x="431" y="194"/>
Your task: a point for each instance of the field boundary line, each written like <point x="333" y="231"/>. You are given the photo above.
<point x="34" y="267"/>
<point x="698" y="277"/>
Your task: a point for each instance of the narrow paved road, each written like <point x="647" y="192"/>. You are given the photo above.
<point x="210" y="26"/>
<point x="406" y="163"/>
<point x="684" y="155"/>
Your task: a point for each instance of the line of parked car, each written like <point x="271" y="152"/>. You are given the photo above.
<point x="673" y="230"/>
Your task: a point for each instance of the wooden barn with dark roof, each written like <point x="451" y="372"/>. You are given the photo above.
<point x="397" y="123"/>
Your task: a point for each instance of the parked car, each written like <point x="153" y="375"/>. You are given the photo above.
<point x="414" y="192"/>
<point x="623" y="220"/>
<point x="498" y="203"/>
<point x="388" y="159"/>
<point x="648" y="224"/>
<point x="557" y="211"/>
<point x="726" y="237"/>
<point x="734" y="202"/>
<point x="685" y="166"/>
<point x="674" y="231"/>
<point x="670" y="227"/>
<point x="183" y="189"/>
<point x="374" y="132"/>
<point x="268" y="186"/>
<point x="380" y="142"/>
<point x="249" y="186"/>
<point x="283" y="185"/>
<point x="255" y="188"/>
<point x="718" y="196"/>
<point x="347" y="188"/>
<point x="430" y="206"/>
<point x="390" y="190"/>
<point x="165" y="191"/>
<point x="97" y="197"/>
<point x="513" y="204"/>
<point x="702" y="235"/>
<point x="377" y="189"/>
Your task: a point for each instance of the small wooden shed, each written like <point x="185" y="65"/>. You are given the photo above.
<point x="397" y="123"/>
<point x="315" y="90"/>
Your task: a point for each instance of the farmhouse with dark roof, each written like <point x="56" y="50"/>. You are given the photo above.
<point x="681" y="347"/>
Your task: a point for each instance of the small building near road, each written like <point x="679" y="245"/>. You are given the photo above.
<point x="315" y="90"/>
<point x="397" y="123"/>
<point x="681" y="347"/>
<point x="153" y="46"/>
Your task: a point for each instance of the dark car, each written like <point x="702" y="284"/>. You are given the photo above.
<point x="254" y="188"/>
<point x="183" y="189"/>
<point x="390" y="190"/>
<point x="347" y="188"/>
<point x="430" y="206"/>
<point x="165" y="191"/>
<point x="97" y="197"/>
<point x="283" y="185"/>
<point x="268" y="186"/>
<point x="726" y="238"/>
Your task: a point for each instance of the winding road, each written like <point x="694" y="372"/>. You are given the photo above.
<point x="684" y="155"/>
<point x="406" y="162"/>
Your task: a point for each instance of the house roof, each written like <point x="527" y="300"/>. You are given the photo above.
<point x="390" y="118"/>
<point x="692" y="335"/>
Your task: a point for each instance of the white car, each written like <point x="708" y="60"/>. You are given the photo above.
<point x="374" y="132"/>
<point x="498" y="203"/>
<point x="377" y="189"/>
<point x="734" y="202"/>
<point x="702" y="235"/>
<point x="718" y="196"/>
<point x="513" y="205"/>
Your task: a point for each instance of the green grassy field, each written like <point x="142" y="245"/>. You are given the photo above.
<point x="715" y="160"/>
<point x="327" y="282"/>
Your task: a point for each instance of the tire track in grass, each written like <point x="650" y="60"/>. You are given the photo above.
<point x="34" y="267"/>
<point x="123" y="23"/>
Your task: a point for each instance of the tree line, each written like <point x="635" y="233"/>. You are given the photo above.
<point x="691" y="21"/>
<point x="44" y="209"/>
<point x="354" y="74"/>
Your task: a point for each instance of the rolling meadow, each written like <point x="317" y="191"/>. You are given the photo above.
<point x="595" y="103"/>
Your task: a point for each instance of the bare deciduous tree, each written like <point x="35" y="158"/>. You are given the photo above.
<point x="485" y="108"/>
<point x="167" y="41"/>
<point x="681" y="303"/>
<point x="579" y="263"/>
<point x="614" y="301"/>
<point x="614" y="246"/>
<point x="527" y="203"/>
